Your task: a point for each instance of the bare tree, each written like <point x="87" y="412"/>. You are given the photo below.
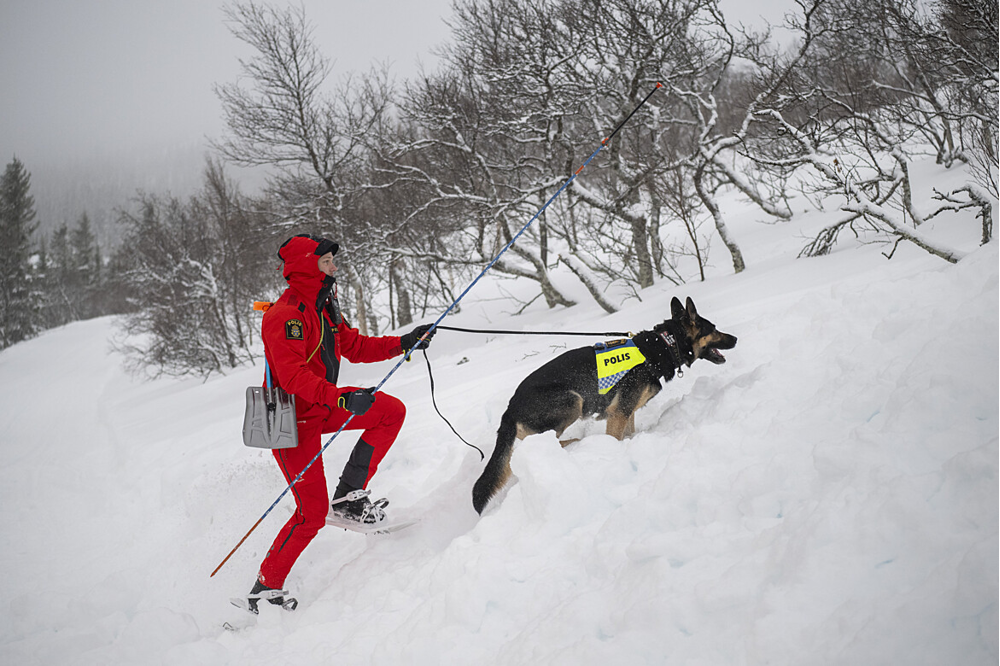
<point x="426" y="188"/>
<point x="487" y="135"/>
<point x="876" y="184"/>
<point x="315" y="137"/>
<point x="285" y="118"/>
<point x="857" y="121"/>
<point x="530" y="89"/>
<point x="192" y="270"/>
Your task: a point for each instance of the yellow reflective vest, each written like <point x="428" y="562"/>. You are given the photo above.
<point x="614" y="359"/>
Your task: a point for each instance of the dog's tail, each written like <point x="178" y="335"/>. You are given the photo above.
<point x="497" y="470"/>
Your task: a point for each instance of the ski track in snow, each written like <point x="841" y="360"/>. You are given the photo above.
<point x="828" y="496"/>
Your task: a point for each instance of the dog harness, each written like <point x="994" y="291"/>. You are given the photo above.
<point x="614" y="360"/>
<point x="675" y="353"/>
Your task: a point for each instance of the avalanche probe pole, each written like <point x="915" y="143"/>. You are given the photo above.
<point x="406" y="356"/>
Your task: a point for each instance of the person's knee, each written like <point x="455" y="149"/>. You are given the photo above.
<point x="313" y="500"/>
<point x="314" y="521"/>
<point x="313" y="515"/>
<point x="393" y="409"/>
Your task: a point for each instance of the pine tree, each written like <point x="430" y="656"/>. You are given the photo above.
<point x="83" y="270"/>
<point x="18" y="316"/>
<point x="58" y="304"/>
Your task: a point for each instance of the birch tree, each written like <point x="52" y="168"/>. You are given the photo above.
<point x="843" y="122"/>
<point x="286" y="113"/>
<point x="192" y="270"/>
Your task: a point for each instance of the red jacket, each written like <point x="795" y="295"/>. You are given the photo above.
<point x="302" y="345"/>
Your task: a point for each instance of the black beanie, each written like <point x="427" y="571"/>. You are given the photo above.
<point x="324" y="245"/>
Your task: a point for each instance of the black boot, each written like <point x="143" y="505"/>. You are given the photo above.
<point x="356" y="512"/>
<point x="342" y="489"/>
<point x="258" y="588"/>
<point x="355" y="473"/>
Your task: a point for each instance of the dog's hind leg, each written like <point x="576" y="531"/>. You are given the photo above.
<point x="572" y="416"/>
<point x="630" y="425"/>
<point x="555" y="408"/>
<point x="617" y="418"/>
<point x="617" y="424"/>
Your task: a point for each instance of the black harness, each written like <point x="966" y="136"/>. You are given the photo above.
<point x="668" y="356"/>
<point x="674" y="351"/>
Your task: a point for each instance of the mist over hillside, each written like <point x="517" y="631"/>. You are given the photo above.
<point x="102" y="184"/>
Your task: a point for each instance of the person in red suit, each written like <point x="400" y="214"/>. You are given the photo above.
<point x="305" y="336"/>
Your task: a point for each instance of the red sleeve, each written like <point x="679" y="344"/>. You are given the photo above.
<point x="358" y="348"/>
<point x="288" y="354"/>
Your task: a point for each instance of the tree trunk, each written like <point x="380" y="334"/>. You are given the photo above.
<point x="552" y="295"/>
<point x="655" y="243"/>
<point x="640" y="243"/>
<point x="572" y="263"/>
<point x="543" y="240"/>
<point x="361" y="311"/>
<point x="359" y="303"/>
<point x="404" y="308"/>
<point x="720" y="224"/>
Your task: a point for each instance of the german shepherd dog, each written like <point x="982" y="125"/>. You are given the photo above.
<point x="565" y="389"/>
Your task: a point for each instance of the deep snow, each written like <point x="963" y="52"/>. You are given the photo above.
<point x="829" y="496"/>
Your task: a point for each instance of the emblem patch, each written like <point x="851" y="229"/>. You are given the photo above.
<point x="293" y="329"/>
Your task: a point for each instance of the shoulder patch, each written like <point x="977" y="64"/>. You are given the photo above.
<point x="611" y="344"/>
<point x="293" y="330"/>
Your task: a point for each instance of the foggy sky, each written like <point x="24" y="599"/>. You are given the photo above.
<point x="103" y="98"/>
<point x="105" y="77"/>
<point x="86" y="78"/>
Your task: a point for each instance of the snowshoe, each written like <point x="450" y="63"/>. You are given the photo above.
<point x="357" y="513"/>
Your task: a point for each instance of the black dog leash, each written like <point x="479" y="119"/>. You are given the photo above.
<point x="430" y="373"/>
<point x="482" y="330"/>
<point x="482" y="456"/>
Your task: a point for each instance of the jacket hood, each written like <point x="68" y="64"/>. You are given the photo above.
<point x="301" y="256"/>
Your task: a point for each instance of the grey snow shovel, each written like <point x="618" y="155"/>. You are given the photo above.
<point x="269" y="421"/>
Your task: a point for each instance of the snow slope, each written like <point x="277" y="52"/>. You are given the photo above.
<point x="829" y="496"/>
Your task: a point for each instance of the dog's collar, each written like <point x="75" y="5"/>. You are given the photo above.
<point x="675" y="352"/>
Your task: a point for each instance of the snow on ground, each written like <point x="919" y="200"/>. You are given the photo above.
<point x="829" y="496"/>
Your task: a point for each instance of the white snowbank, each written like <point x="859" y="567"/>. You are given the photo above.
<point x="829" y="496"/>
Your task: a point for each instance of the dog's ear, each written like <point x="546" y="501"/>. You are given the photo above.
<point x="676" y="309"/>
<point x="692" y="312"/>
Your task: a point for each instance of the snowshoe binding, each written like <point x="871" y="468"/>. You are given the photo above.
<point x="354" y="511"/>
<point x="261" y="591"/>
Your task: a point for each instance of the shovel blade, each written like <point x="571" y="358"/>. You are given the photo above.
<point x="267" y="427"/>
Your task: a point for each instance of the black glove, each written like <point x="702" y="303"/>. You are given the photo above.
<point x="356" y="402"/>
<point x="412" y="339"/>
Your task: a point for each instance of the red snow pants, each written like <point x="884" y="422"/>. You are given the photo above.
<point x="381" y="423"/>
